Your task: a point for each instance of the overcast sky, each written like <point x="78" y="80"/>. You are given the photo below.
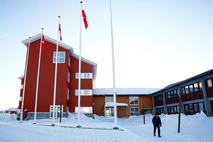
<point x="157" y="42"/>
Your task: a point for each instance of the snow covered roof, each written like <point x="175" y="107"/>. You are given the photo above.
<point x="124" y="91"/>
<point x="111" y="104"/>
<point x="47" y="38"/>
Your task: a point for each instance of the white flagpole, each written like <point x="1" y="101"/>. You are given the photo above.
<point x="79" y="67"/>
<point x="25" y="75"/>
<point x="38" y="76"/>
<point x="56" y="70"/>
<point x="113" y="65"/>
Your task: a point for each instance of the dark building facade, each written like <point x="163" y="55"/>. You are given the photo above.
<point x="191" y="96"/>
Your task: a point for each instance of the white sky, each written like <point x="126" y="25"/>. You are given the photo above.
<point x="157" y="42"/>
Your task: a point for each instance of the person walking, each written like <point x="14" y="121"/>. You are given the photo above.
<point x="156" y="121"/>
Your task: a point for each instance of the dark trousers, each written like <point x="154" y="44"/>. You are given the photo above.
<point x="157" y="127"/>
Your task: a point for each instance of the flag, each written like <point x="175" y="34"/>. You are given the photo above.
<point x="42" y="43"/>
<point x="59" y="28"/>
<point x="84" y="18"/>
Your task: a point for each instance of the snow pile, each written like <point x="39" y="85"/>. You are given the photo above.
<point x="7" y="117"/>
<point x="83" y="117"/>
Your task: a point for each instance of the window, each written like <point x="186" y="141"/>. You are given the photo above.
<point x="134" y="111"/>
<point x="68" y="77"/>
<point x="68" y="94"/>
<point x="109" y="111"/>
<point x="108" y="99"/>
<point x="69" y="61"/>
<point x="22" y="86"/>
<point x="84" y="92"/>
<point x="186" y="89"/>
<point x="200" y="85"/>
<point x="196" y="87"/>
<point x="84" y="75"/>
<point x="20" y="99"/>
<point x="57" y="110"/>
<point x="209" y="83"/>
<point x="191" y="88"/>
<point x="133" y="100"/>
<point x="60" y="57"/>
<point x="84" y="109"/>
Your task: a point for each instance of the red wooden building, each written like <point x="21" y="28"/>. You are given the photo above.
<point x="67" y="78"/>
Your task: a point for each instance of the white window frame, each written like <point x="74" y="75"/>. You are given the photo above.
<point x="134" y="112"/>
<point x="84" y="75"/>
<point x="61" y="57"/>
<point x="57" y="110"/>
<point x="84" y="92"/>
<point x="87" y="110"/>
<point x="131" y="99"/>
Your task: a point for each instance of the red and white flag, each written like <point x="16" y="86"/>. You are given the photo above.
<point x="84" y="16"/>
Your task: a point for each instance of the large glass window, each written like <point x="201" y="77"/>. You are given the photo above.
<point x="134" y="111"/>
<point x="134" y="100"/>
<point x="60" y="57"/>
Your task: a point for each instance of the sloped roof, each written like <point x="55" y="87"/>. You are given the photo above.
<point x="47" y="38"/>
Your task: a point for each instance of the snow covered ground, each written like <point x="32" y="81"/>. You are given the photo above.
<point x="196" y="128"/>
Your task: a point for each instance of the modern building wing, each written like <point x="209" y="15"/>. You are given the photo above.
<point x="192" y="95"/>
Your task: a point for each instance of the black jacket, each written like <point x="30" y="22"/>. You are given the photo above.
<point x="156" y="121"/>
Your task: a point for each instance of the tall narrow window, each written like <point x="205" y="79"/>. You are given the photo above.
<point x="60" y="57"/>
<point x="209" y="83"/>
<point x="68" y="77"/>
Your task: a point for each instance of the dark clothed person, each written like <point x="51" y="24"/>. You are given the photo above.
<point x="156" y="121"/>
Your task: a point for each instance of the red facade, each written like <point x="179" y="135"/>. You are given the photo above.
<point x="46" y="79"/>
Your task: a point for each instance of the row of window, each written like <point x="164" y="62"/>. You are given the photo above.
<point x="171" y="94"/>
<point x="109" y="111"/>
<point x="194" y="108"/>
<point x="133" y="100"/>
<point x="192" y="88"/>
<point x="83" y="76"/>
<point x="172" y="109"/>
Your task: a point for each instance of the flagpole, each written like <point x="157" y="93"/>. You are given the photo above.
<point x="56" y="70"/>
<point x="113" y="65"/>
<point x="79" y="67"/>
<point x="25" y="75"/>
<point x="38" y="76"/>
